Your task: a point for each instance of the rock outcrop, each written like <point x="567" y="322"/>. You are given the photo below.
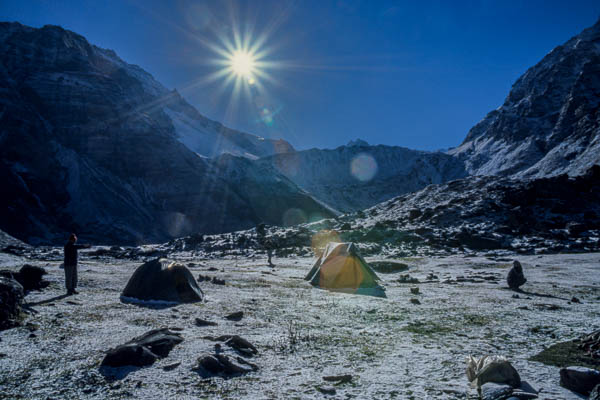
<point x="11" y="299"/>
<point x="549" y="122"/>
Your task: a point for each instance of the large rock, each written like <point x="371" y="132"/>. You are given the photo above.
<point x="129" y="355"/>
<point x="516" y="278"/>
<point x="161" y="280"/>
<point x="579" y="379"/>
<point x="493" y="369"/>
<point x="143" y="350"/>
<point x="11" y="299"/>
<point x="29" y="276"/>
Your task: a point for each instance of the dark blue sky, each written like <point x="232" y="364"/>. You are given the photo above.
<point x="407" y="73"/>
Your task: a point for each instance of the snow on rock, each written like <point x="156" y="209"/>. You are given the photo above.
<point x="353" y="177"/>
<point x="549" y="122"/>
<point x="303" y="334"/>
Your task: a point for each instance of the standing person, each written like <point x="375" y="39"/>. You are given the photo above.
<point x="71" y="263"/>
<point x="265" y="242"/>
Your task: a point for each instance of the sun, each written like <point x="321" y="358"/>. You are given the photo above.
<point x="242" y="64"/>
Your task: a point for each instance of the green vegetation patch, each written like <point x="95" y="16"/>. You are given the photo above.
<point x="565" y="354"/>
<point x="476" y="319"/>
<point x="427" y="328"/>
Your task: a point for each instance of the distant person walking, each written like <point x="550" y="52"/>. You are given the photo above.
<point x="71" y="263"/>
<point x="265" y="242"/>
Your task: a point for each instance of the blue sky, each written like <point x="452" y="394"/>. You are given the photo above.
<point x="406" y="73"/>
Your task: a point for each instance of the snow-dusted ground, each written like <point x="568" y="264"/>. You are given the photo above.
<point x="393" y="348"/>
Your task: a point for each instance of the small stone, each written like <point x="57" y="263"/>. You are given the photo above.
<point x="242" y="345"/>
<point x="575" y="300"/>
<point x="414" y="290"/>
<point x="236" y="316"/>
<point x="171" y="366"/>
<point x="326" y="389"/>
<point x="220" y="363"/>
<point x="338" y="378"/>
<point x="415" y="301"/>
<point x="203" y="322"/>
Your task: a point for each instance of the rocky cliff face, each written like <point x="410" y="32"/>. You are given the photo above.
<point x="91" y="144"/>
<point x="550" y="122"/>
<point x="357" y="176"/>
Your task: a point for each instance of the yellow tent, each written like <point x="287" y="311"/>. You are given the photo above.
<point x="342" y="269"/>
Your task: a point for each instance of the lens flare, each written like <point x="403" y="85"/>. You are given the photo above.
<point x="321" y="239"/>
<point x="363" y="167"/>
<point x="294" y="216"/>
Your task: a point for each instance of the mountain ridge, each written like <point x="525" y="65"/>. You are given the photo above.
<point x="86" y="146"/>
<point x="549" y="123"/>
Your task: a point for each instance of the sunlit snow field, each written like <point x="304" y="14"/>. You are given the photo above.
<point x="392" y="347"/>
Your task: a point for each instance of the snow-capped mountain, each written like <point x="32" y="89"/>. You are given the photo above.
<point x="358" y="175"/>
<point x="550" y="122"/>
<point x="91" y="144"/>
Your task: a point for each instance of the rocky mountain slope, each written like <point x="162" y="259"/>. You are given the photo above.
<point x="357" y="176"/>
<point x="491" y="214"/>
<point x="555" y="214"/>
<point x="91" y="144"/>
<point x="550" y="122"/>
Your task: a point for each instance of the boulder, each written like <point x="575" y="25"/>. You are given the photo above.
<point x="11" y="300"/>
<point x="579" y="379"/>
<point x="143" y="350"/>
<point x="161" y="280"/>
<point x="516" y="278"/>
<point x="129" y="355"/>
<point x="159" y="341"/>
<point x="493" y="369"/>
<point x="29" y="276"/>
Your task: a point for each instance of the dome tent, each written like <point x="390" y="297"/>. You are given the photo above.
<point x="162" y="281"/>
<point x="342" y="269"/>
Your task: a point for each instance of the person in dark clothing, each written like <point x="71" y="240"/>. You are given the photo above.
<point x="71" y="263"/>
<point x="265" y="242"/>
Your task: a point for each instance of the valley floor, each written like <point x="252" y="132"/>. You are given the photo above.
<point x="392" y="347"/>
